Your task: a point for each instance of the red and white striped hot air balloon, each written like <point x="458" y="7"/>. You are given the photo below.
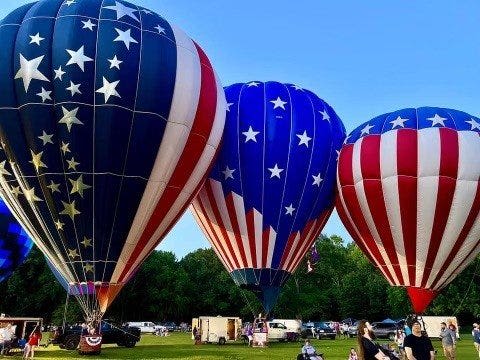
<point x="409" y="194"/>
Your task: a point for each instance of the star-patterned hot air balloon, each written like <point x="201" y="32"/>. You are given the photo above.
<point x="272" y="187"/>
<point x="110" y="118"/>
<point x="409" y="194"/>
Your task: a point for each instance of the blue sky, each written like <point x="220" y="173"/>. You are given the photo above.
<point x="364" y="58"/>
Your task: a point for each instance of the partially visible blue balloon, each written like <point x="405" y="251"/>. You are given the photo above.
<point x="15" y="244"/>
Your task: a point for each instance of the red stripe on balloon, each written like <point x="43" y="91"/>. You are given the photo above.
<point x="250" y="217"/>
<point x="407" y="167"/>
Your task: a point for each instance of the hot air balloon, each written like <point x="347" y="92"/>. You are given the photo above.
<point x="409" y="195"/>
<point x="15" y="245"/>
<point x="110" y="118"/>
<point x="272" y="187"/>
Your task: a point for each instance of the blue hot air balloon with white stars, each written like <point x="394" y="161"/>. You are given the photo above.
<point x="272" y="187"/>
<point x="110" y="118"/>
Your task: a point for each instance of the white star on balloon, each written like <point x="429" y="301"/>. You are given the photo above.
<point x="228" y="106"/>
<point x="35" y="39"/>
<point x="123" y="10"/>
<point x="160" y="29"/>
<point x="74" y="88"/>
<point x="29" y="71"/>
<point x="69" y="118"/>
<point x="125" y="37"/>
<point x="317" y="180"/>
<point x="88" y="25"/>
<point x="115" y="63"/>
<point x="250" y="134"/>
<point x="325" y="115"/>
<point x="228" y="173"/>
<point x="437" y="120"/>
<point x="59" y="73"/>
<point x="70" y="2"/>
<point x="296" y="87"/>
<point x="45" y="95"/>
<point x="398" y="122"/>
<point x="78" y="57"/>
<point x="109" y="89"/>
<point x="275" y="171"/>
<point x="289" y="209"/>
<point x="278" y="103"/>
<point x="474" y="124"/>
<point x="366" y="129"/>
<point x="304" y="139"/>
<point x="253" y="83"/>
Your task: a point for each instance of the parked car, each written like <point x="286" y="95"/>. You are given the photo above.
<point x="385" y="330"/>
<point x="353" y="329"/>
<point x="171" y="326"/>
<point x="317" y="329"/>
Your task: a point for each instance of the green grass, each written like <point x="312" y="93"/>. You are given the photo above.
<point x="180" y="346"/>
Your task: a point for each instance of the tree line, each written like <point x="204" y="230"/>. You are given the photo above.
<point x="342" y="284"/>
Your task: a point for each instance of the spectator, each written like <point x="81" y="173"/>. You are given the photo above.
<point x="33" y="342"/>
<point x="367" y="349"/>
<point x="476" y="338"/>
<point x="7" y="335"/>
<point x="309" y="352"/>
<point x="449" y="338"/>
<point x="352" y="355"/>
<point x="418" y="346"/>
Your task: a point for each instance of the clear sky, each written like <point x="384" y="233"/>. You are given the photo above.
<point x="364" y="58"/>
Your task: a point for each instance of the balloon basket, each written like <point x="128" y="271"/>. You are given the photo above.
<point x="90" y="345"/>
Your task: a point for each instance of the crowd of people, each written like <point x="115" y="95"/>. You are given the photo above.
<point x="411" y="343"/>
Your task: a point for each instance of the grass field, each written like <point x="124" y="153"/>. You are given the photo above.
<point x="180" y="346"/>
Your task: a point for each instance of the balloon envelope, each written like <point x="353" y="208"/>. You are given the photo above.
<point x="109" y="120"/>
<point x="272" y="187"/>
<point x="15" y="245"/>
<point x="409" y="194"/>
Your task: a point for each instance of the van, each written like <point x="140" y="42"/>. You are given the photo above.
<point x="292" y="325"/>
<point x="147" y="327"/>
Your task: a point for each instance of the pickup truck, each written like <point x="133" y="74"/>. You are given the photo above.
<point x="111" y="334"/>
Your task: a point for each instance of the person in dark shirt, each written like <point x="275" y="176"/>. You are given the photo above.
<point x="418" y="346"/>
<point x="367" y="349"/>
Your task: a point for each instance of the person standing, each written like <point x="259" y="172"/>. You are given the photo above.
<point x="449" y="338"/>
<point x="418" y="346"/>
<point x="476" y="338"/>
<point x="367" y="349"/>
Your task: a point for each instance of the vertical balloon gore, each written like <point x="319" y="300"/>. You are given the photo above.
<point x="420" y="298"/>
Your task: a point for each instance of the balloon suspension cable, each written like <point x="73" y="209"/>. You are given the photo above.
<point x="249" y="304"/>
<point x="65" y="311"/>
<point x="468" y="289"/>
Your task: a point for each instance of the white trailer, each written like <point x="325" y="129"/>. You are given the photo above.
<point x="431" y="324"/>
<point x="218" y="329"/>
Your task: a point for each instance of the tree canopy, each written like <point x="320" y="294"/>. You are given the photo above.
<point x="343" y="284"/>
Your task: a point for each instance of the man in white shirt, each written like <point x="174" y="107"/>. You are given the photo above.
<point x="6" y="337"/>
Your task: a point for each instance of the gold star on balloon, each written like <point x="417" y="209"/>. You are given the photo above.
<point x="65" y="148"/>
<point x="86" y="242"/>
<point x="88" y="267"/>
<point x="78" y="186"/>
<point x="3" y="171"/>
<point x="69" y="209"/>
<point x="72" y="253"/>
<point x="54" y="187"/>
<point x="16" y="190"/>
<point x="72" y="164"/>
<point x="37" y="160"/>
<point x="46" y="139"/>
<point x="30" y="195"/>
<point x="59" y="225"/>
